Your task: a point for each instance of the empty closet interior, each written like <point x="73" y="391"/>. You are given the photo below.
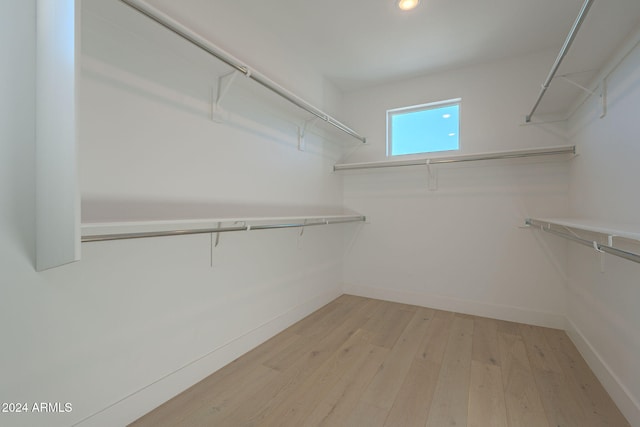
<point x="182" y="181"/>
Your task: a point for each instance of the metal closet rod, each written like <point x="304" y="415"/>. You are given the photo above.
<point x="199" y="41"/>
<point x="568" y="149"/>
<point x="563" y="52"/>
<point x="631" y="256"/>
<point x="145" y="234"/>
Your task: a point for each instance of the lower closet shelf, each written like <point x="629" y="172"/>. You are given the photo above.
<point x="569" y="228"/>
<point x="95" y="232"/>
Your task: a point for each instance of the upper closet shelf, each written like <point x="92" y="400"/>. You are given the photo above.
<point x="496" y="155"/>
<point x="237" y="65"/>
<point x="563" y="52"/>
<point x="95" y="232"/>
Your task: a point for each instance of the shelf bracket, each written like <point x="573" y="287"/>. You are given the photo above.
<point x="603" y="92"/>
<point x="224" y="84"/>
<point x="302" y="132"/>
<point x="578" y="85"/>
<point x="603" y="97"/>
<point x="602" y="257"/>
<point x="432" y="176"/>
<point x="218" y="236"/>
<point x="300" y="236"/>
<point x="214" y="244"/>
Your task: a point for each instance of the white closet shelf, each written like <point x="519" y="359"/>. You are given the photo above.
<point x="94" y="232"/>
<point x="237" y="65"/>
<point x="561" y="55"/>
<point x="629" y="232"/>
<point x="494" y="155"/>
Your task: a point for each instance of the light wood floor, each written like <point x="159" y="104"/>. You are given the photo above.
<point x="364" y="362"/>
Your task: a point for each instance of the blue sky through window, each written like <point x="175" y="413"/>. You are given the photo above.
<point x="424" y="131"/>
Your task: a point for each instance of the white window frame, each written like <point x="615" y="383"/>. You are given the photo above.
<point x="422" y="107"/>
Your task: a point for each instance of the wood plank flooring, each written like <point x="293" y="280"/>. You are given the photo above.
<point x="365" y="362"/>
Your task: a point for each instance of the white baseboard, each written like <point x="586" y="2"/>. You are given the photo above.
<point x="133" y="406"/>
<point x="144" y="400"/>
<point x="494" y="311"/>
<point x="627" y="404"/>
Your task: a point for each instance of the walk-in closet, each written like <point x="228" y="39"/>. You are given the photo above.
<point x="277" y="213"/>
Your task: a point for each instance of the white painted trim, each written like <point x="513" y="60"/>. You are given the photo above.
<point x="148" y="398"/>
<point x="56" y="156"/>
<point x="142" y="401"/>
<point x="620" y="394"/>
<point x="441" y="302"/>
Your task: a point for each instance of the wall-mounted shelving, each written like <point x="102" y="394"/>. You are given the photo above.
<point x="96" y="232"/>
<point x="496" y="155"/>
<point x="569" y="228"/>
<point x="238" y="66"/>
<point x="561" y="55"/>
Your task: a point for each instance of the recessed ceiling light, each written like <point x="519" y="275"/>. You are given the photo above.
<point x="446" y="116"/>
<point x="452" y="134"/>
<point x="407" y="4"/>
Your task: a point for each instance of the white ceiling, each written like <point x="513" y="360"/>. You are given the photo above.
<point x="358" y="43"/>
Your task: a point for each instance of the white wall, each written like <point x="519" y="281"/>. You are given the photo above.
<point x="460" y="247"/>
<point x="135" y="322"/>
<point x="602" y="306"/>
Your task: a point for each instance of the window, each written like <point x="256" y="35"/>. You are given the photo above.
<point x="424" y="128"/>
